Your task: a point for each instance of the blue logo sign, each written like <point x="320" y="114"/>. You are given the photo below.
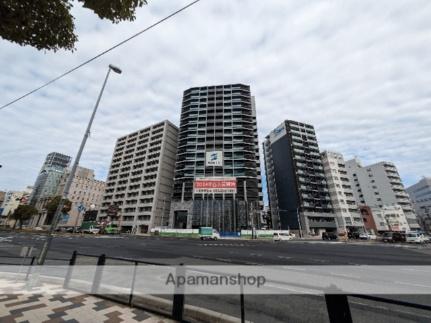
<point x="81" y="208"/>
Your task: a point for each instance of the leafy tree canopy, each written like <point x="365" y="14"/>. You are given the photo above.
<point x="51" y="207"/>
<point x="49" y="24"/>
<point x="23" y="212"/>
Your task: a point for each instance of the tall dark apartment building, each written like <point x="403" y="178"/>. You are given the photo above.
<point x="217" y="176"/>
<point x="297" y="189"/>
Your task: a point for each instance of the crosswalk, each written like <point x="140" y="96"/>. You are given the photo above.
<point x="223" y="245"/>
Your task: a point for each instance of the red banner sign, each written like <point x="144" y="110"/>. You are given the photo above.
<point x="215" y="185"/>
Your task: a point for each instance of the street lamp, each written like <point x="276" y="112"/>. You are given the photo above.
<point x="60" y="206"/>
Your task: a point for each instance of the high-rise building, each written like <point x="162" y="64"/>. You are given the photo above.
<point x="217" y="174"/>
<point x="140" y="179"/>
<point x="49" y="177"/>
<point x="380" y="185"/>
<point x="85" y="193"/>
<point x="297" y="189"/>
<point x="340" y="190"/>
<point x="420" y="194"/>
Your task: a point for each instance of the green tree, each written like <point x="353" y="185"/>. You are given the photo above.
<point x="51" y="207"/>
<point x="22" y="213"/>
<point x="49" y="24"/>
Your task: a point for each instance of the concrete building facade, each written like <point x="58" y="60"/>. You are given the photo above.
<point x="420" y="194"/>
<point x="140" y="178"/>
<point x="12" y="199"/>
<point x="2" y="197"/>
<point x="297" y="188"/>
<point x="380" y="185"/>
<point x="218" y="122"/>
<point x="49" y="177"/>
<point x="346" y="209"/>
<point x="85" y="190"/>
<point x="389" y="218"/>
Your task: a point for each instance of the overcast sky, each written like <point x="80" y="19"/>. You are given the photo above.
<point x="359" y="71"/>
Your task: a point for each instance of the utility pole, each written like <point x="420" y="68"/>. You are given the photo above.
<point x="57" y="214"/>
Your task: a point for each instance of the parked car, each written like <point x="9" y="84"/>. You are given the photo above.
<point x="415" y="237"/>
<point x="363" y="236"/>
<point x="353" y="235"/>
<point x="91" y="229"/>
<point x="372" y="236"/>
<point x="111" y="229"/>
<point x="281" y="236"/>
<point x="329" y="236"/>
<point x="208" y="233"/>
<point x="393" y="237"/>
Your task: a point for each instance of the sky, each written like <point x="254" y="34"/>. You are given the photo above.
<point x="359" y="71"/>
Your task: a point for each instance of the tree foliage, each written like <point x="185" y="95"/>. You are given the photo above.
<point x="51" y="207"/>
<point x="22" y="213"/>
<point x="49" y="24"/>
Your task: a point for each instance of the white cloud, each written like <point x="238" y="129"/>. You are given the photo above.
<point x="357" y="70"/>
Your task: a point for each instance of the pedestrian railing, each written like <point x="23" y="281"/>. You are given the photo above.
<point x="338" y="306"/>
<point x="178" y="300"/>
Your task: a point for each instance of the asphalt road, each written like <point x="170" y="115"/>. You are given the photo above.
<point x="259" y="308"/>
<point x="193" y="251"/>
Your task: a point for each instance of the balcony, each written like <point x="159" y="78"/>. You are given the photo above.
<point x="322" y="224"/>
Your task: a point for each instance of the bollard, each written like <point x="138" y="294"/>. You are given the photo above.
<point x="132" y="288"/>
<point x="241" y="298"/>
<point x="338" y="308"/>
<point x="72" y="262"/>
<point x="29" y="267"/>
<point x="98" y="274"/>
<point x="178" y="303"/>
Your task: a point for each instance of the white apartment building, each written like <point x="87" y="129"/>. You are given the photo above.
<point x="12" y="200"/>
<point x="390" y="218"/>
<point x="85" y="191"/>
<point x="420" y="193"/>
<point x="341" y="192"/>
<point x="380" y="185"/>
<point x="140" y="179"/>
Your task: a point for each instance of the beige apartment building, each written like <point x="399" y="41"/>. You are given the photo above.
<point x="140" y="179"/>
<point x="85" y="190"/>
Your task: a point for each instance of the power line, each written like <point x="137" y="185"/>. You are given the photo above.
<point x="100" y="54"/>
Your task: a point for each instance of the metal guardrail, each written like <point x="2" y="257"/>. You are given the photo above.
<point x="178" y="297"/>
<point x="337" y="305"/>
<point x="339" y="309"/>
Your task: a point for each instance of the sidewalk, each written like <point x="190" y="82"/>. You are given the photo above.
<point x="64" y="306"/>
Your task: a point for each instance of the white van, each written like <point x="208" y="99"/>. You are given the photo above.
<point x="92" y="229"/>
<point x="280" y="236"/>
<point x="415" y="237"/>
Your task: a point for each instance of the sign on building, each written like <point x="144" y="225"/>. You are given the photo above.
<point x="214" y="158"/>
<point x="215" y="185"/>
<point x="278" y="133"/>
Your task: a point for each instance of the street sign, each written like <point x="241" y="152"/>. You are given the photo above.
<point x="215" y="185"/>
<point x="81" y="208"/>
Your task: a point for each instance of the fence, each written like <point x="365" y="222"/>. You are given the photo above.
<point x="337" y="305"/>
<point x="178" y="300"/>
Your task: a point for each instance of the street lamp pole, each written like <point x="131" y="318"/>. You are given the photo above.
<point x="56" y="218"/>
